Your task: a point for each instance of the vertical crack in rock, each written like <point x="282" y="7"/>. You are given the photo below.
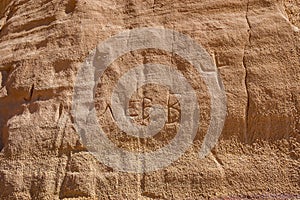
<point x="110" y="110"/>
<point x="61" y="124"/>
<point x="30" y="94"/>
<point x="246" y="71"/>
<point x="219" y="163"/>
<point x="3" y="77"/>
<point x="142" y="183"/>
<point x="61" y="189"/>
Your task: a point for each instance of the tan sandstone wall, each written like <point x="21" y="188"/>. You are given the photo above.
<point x="255" y="45"/>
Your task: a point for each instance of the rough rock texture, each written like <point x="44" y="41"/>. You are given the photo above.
<point x="255" y="45"/>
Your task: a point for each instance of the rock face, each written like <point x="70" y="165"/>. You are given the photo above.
<point x="255" y="46"/>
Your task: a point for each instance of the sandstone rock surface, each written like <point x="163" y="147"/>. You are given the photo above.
<point x="255" y="45"/>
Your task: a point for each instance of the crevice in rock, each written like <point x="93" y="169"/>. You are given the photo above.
<point x="13" y="8"/>
<point x="3" y="77"/>
<point x="246" y="73"/>
<point x="31" y="91"/>
<point x="217" y="159"/>
<point x="5" y="16"/>
<point x="61" y="191"/>
<point x="3" y="21"/>
<point x="60" y="110"/>
<point x="34" y="24"/>
<point x="108" y="108"/>
<point x="29" y="98"/>
<point x="4" y="9"/>
<point x="71" y="6"/>
<point x="61" y="125"/>
<point x="142" y="183"/>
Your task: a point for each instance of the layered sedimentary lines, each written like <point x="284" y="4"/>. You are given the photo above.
<point x="255" y="46"/>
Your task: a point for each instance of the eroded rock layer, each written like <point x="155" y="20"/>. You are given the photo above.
<point x="255" y="45"/>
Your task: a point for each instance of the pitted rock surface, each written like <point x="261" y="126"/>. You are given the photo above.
<point x="255" y="45"/>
